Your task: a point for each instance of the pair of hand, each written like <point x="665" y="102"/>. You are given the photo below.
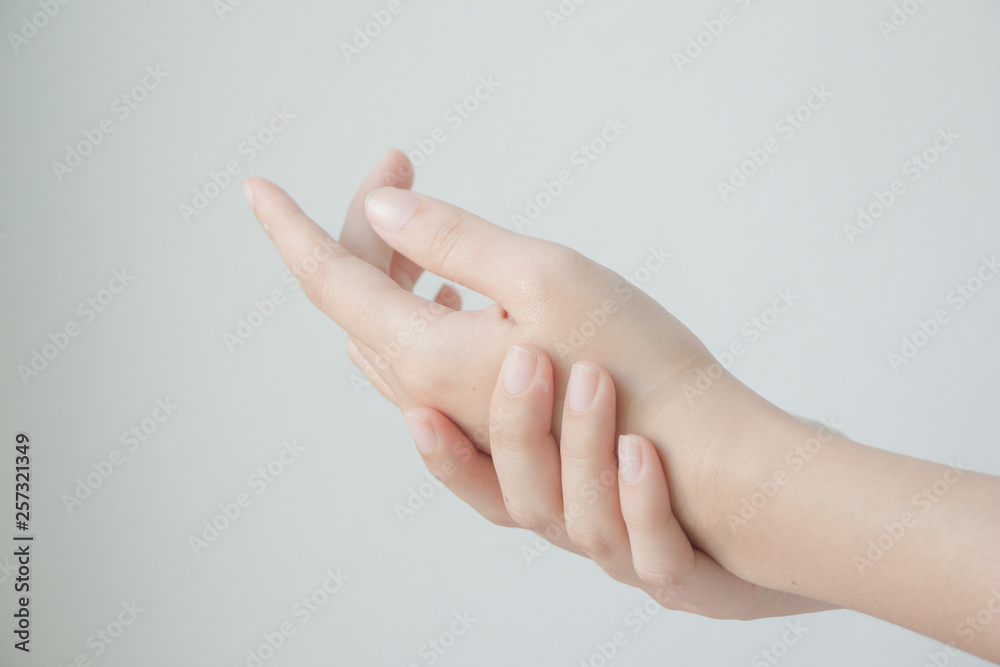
<point x="553" y="307"/>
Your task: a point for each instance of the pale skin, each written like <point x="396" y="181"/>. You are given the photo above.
<point x="759" y="513"/>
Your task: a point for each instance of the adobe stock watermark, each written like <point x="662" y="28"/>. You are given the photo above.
<point x="132" y="439"/>
<point x="454" y="117"/>
<point x="302" y="611"/>
<point x="562" y="13"/>
<point x="436" y="647"/>
<point x="264" y="308"/>
<point x="31" y="24"/>
<point x="88" y="310"/>
<point x="624" y="290"/>
<point x="579" y="161"/>
<point x="102" y="639"/>
<point x="418" y="495"/>
<point x="712" y="29"/>
<point x="751" y="331"/>
<point x="894" y="531"/>
<point x="635" y="621"/>
<point x="230" y="511"/>
<point x="899" y="17"/>
<point x="590" y="491"/>
<point x="223" y="8"/>
<point x="364" y="35"/>
<point x="262" y="311"/>
<point x="247" y="151"/>
<point x="795" y="460"/>
<point x="913" y="169"/>
<point x="778" y="649"/>
<point x="785" y="129"/>
<point x="972" y="625"/>
<point x="121" y="108"/>
<point x="389" y="352"/>
<point x="957" y="298"/>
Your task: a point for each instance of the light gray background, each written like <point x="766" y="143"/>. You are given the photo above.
<point x="334" y="506"/>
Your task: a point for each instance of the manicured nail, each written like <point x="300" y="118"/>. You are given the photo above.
<point x="248" y="192"/>
<point x="423" y="433"/>
<point x="518" y="370"/>
<point x="629" y="458"/>
<point x="582" y="387"/>
<point x="390" y="208"/>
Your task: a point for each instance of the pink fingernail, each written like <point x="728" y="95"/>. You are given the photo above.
<point x="390" y="208"/>
<point x="423" y="433"/>
<point x="582" y="388"/>
<point x="518" y="370"/>
<point x="629" y="458"/>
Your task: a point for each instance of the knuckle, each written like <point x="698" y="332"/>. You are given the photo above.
<point x="667" y="581"/>
<point x="316" y="270"/>
<point x="500" y="518"/>
<point x="640" y="522"/>
<point x="515" y="446"/>
<point x="315" y="289"/>
<point x="446" y="237"/>
<point x="590" y="541"/>
<point x="523" y="516"/>
<point x="542" y="275"/>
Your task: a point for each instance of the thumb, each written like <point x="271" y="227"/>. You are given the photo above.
<point x="456" y="244"/>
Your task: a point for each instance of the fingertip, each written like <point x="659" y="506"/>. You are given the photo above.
<point x="248" y="191"/>
<point x="269" y="200"/>
<point x="424" y="434"/>
<point x="630" y="456"/>
<point x="397" y="170"/>
<point x="374" y="193"/>
<point x="583" y="387"/>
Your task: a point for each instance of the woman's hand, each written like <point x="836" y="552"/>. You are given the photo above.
<point x="774" y="501"/>
<point x="424" y="353"/>
<point x="582" y="496"/>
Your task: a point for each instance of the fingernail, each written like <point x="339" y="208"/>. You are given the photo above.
<point x="390" y="208"/>
<point x="629" y="458"/>
<point x="423" y="433"/>
<point x="582" y="387"/>
<point x="518" y="370"/>
<point x="248" y="192"/>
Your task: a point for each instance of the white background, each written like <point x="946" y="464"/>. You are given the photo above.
<point x="163" y="336"/>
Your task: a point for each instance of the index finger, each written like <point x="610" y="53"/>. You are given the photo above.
<point x="357" y="235"/>
<point x="363" y="300"/>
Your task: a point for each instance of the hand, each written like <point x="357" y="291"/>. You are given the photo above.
<point x="754" y="488"/>
<point x="423" y="353"/>
<point x="580" y="495"/>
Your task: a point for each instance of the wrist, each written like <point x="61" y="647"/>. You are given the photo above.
<point x="728" y="455"/>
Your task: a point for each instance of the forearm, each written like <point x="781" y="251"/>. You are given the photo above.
<point x="905" y="540"/>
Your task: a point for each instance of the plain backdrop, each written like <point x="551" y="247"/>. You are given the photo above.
<point x="335" y="506"/>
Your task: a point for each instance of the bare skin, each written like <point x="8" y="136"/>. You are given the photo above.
<point x="717" y="446"/>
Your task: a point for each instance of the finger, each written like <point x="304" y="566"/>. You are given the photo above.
<point x="661" y="552"/>
<point x="590" y="471"/>
<point x="364" y="359"/>
<point x="403" y="271"/>
<point x="364" y="301"/>
<point x="675" y="574"/>
<point x="524" y="452"/>
<point x="447" y="296"/>
<point x="357" y="235"/>
<point x="455" y="244"/>
<point x="457" y="463"/>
